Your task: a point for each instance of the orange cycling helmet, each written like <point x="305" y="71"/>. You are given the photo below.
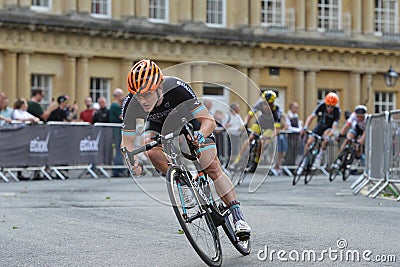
<point x="145" y="76"/>
<point x="331" y="99"/>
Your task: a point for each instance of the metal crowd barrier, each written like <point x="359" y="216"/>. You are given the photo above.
<point x="381" y="155"/>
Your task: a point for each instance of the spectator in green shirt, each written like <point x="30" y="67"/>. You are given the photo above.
<point x="35" y="108"/>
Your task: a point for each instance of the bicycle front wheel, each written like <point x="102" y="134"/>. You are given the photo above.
<point x="333" y="172"/>
<point x="301" y="169"/>
<point x="194" y="218"/>
<point x="310" y="168"/>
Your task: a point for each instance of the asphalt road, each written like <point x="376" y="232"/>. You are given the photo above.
<point x="112" y="222"/>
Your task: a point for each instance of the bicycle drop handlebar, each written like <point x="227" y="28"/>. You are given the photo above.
<point x="158" y="139"/>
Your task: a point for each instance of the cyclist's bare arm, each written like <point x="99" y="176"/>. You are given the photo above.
<point x="207" y="123"/>
<point x="345" y="128"/>
<point x="128" y="142"/>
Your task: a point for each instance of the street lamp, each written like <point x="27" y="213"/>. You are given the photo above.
<point x="391" y="77"/>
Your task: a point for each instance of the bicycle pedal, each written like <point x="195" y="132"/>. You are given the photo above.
<point x="243" y="236"/>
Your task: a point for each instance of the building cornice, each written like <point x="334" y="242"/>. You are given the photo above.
<point x="135" y="28"/>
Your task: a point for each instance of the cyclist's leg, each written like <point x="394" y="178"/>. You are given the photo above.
<point x="244" y="147"/>
<point x="223" y="185"/>
<point x="310" y="140"/>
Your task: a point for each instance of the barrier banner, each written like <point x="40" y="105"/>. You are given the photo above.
<point x="38" y="145"/>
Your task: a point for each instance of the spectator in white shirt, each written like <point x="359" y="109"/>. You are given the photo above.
<point x="233" y="124"/>
<point x="20" y="112"/>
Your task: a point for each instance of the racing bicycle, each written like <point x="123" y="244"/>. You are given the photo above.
<point x="194" y="200"/>
<point x="344" y="160"/>
<point x="306" y="166"/>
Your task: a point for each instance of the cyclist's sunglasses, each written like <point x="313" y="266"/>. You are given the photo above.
<point x="145" y="95"/>
<point x="330" y="106"/>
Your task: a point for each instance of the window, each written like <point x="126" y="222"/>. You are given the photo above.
<point x="323" y="92"/>
<point x="384" y="101"/>
<point x="100" y="87"/>
<point x="158" y="10"/>
<point x="101" y="8"/>
<point x="44" y="82"/>
<point x="272" y="12"/>
<point x="216" y="11"/>
<point x="386" y="16"/>
<point x="329" y="15"/>
<point x="41" y="5"/>
<point x="218" y="95"/>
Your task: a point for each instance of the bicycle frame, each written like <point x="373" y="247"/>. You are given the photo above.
<point x="220" y="214"/>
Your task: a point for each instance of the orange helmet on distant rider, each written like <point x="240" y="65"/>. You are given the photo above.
<point x="331" y="99"/>
<point x="145" y="76"/>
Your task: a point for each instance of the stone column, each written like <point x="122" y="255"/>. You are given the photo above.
<point x="199" y="10"/>
<point x="298" y="94"/>
<point x="253" y="86"/>
<point x="25" y="3"/>
<point x="70" y="6"/>
<point x="126" y="65"/>
<point x="127" y="8"/>
<point x="184" y="11"/>
<point x="356" y="16"/>
<point x="197" y="79"/>
<point x="23" y="76"/>
<point x="241" y="89"/>
<point x="142" y="8"/>
<point x="367" y="92"/>
<point x="300" y="15"/>
<point x="116" y="9"/>
<point x="255" y="13"/>
<point x="353" y="94"/>
<point x="312" y="15"/>
<point x="368" y="9"/>
<point x="70" y="73"/>
<point x="310" y="92"/>
<point x="82" y="80"/>
<point x="10" y="75"/>
<point x="84" y="6"/>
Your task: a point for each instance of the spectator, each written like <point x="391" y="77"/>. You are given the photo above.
<point x="35" y="108"/>
<point x="208" y="104"/>
<point x="72" y="110"/>
<point x="20" y="112"/>
<point x="87" y="114"/>
<point x="116" y="117"/>
<point x="282" y="145"/>
<point x="295" y="124"/>
<point x="233" y="124"/>
<point x="219" y="117"/>
<point x="2" y="118"/>
<point x="5" y="110"/>
<point x="102" y="114"/>
<point x="60" y="113"/>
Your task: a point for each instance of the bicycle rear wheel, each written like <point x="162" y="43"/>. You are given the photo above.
<point x="195" y="220"/>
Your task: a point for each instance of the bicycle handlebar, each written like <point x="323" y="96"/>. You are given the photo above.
<point x="157" y="140"/>
<point x="314" y="134"/>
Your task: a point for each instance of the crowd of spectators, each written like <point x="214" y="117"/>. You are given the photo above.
<point x="60" y="109"/>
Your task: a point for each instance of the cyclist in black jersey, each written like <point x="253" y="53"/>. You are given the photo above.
<point x="328" y="118"/>
<point x="162" y="102"/>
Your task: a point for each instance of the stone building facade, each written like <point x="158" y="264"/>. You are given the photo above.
<point x="300" y="48"/>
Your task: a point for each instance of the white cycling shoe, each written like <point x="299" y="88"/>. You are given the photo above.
<point x="241" y="227"/>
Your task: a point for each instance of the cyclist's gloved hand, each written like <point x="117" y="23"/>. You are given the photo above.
<point x="199" y="136"/>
